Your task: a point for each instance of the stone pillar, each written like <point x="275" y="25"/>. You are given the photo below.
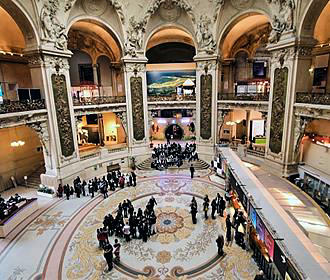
<point x="222" y="113"/>
<point x="114" y="82"/>
<point x="95" y="74"/>
<point x="248" y="127"/>
<point x="289" y="74"/>
<point x="206" y="103"/>
<point x="137" y="107"/>
<point x="51" y="70"/>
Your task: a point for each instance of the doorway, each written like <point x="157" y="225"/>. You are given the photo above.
<point x="174" y="132"/>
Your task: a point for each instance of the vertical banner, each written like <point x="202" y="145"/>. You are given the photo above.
<point x="260" y="228"/>
<point x="269" y="243"/>
<point x="253" y="216"/>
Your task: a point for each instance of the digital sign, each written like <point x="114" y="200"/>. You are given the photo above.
<point x="269" y="243"/>
<point x="253" y="216"/>
<point x="260" y="228"/>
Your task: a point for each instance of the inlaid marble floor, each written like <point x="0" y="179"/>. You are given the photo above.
<point x="61" y="243"/>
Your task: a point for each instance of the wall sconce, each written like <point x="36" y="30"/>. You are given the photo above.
<point x="17" y="144"/>
<point x="311" y="70"/>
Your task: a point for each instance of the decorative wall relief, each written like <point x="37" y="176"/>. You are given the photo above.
<point x="206" y="106"/>
<point x="168" y="11"/>
<point x="283" y="19"/>
<point x="278" y="109"/>
<point x="204" y="36"/>
<point x="52" y="30"/>
<point x="218" y="7"/>
<point x="242" y="4"/>
<point x="63" y="114"/>
<point x="134" y="39"/>
<point x="137" y="108"/>
<point x="95" y="7"/>
<point x="181" y="4"/>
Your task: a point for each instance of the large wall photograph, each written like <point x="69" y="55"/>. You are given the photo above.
<point x="171" y="82"/>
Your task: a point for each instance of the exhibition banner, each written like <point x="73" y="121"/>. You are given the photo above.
<point x="260" y="228"/>
<point x="253" y="216"/>
<point x="269" y="243"/>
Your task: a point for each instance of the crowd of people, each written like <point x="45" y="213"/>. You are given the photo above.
<point x="112" y="181"/>
<point x="167" y="155"/>
<point x="9" y="206"/>
<point x="126" y="224"/>
<point x="218" y="206"/>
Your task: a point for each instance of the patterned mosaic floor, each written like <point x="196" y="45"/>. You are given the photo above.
<point x="61" y="243"/>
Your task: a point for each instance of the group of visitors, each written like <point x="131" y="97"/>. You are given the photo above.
<point x="167" y="155"/>
<point x="9" y="206"/>
<point x="113" y="180"/>
<point x="127" y="224"/>
<point x="218" y="206"/>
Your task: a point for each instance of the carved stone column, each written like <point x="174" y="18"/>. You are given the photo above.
<point x="136" y="103"/>
<point x="221" y="120"/>
<point x="51" y="70"/>
<point x="123" y="118"/>
<point x="41" y="128"/>
<point x="206" y="103"/>
<point x="289" y="74"/>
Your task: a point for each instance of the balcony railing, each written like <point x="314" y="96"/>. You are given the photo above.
<point x="243" y="97"/>
<point x="9" y="106"/>
<point x="99" y="100"/>
<point x="313" y="98"/>
<point x="173" y="97"/>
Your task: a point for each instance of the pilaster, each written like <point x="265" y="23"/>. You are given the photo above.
<point x="59" y="138"/>
<point x="136" y="104"/>
<point x="289" y="72"/>
<point x="206" y="102"/>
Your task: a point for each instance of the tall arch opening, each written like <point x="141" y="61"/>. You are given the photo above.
<point x="171" y="76"/>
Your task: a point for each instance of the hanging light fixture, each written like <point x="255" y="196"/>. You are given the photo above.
<point x="18" y="143"/>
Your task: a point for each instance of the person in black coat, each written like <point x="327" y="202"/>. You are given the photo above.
<point x="214" y="208"/>
<point x="193" y="212"/>
<point x="134" y="178"/>
<point x="205" y="209"/>
<point x="220" y="242"/>
<point x="228" y="229"/>
<point x="222" y="206"/>
<point x="67" y="191"/>
<point x="192" y="171"/>
<point x="108" y="256"/>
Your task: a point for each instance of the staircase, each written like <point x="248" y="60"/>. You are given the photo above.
<point x="198" y="164"/>
<point x="33" y="180"/>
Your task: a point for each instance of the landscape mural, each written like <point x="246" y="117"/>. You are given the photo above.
<point x="168" y="83"/>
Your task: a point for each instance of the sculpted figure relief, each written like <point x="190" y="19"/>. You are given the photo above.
<point x="53" y="30"/>
<point x="204" y="35"/>
<point x="284" y="20"/>
<point x="134" y="37"/>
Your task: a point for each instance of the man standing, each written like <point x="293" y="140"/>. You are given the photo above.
<point x="220" y="242"/>
<point x="117" y="251"/>
<point x="205" y="209"/>
<point x="108" y="256"/>
<point x="214" y="208"/>
<point x="193" y="212"/>
<point x="192" y="171"/>
<point x="134" y="178"/>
